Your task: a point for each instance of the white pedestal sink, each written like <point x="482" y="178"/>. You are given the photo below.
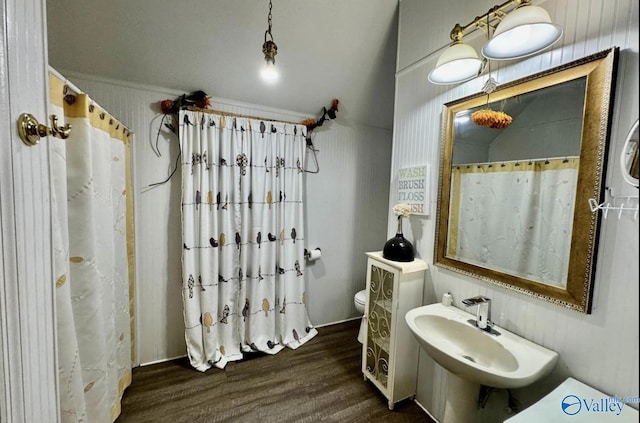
<point x="474" y="357"/>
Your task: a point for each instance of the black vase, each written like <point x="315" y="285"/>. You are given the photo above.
<point x="398" y="248"/>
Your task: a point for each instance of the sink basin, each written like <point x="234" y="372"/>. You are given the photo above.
<point x="500" y="361"/>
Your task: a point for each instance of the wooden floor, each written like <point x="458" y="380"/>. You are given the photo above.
<point x="319" y="382"/>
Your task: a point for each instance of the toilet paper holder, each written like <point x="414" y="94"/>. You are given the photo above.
<point x="313" y="254"/>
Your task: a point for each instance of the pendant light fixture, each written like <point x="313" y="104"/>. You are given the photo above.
<point x="269" y="73"/>
<point x="522" y="30"/>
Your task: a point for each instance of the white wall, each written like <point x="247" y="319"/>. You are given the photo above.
<point x="346" y="215"/>
<point x="346" y="210"/>
<point x="600" y="349"/>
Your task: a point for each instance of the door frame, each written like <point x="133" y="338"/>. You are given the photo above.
<point x="28" y="388"/>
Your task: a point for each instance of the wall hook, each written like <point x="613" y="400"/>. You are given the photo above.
<point x="30" y="130"/>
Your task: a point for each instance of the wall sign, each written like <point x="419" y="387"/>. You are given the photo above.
<point x="412" y="189"/>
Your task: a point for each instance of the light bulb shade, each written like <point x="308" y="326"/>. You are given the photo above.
<point x="458" y="63"/>
<point x="525" y="31"/>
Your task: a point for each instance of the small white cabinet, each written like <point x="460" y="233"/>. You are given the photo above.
<point x="389" y="350"/>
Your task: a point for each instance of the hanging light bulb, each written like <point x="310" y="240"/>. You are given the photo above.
<point x="269" y="73"/>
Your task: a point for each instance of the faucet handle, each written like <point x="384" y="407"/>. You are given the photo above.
<point x="475" y="300"/>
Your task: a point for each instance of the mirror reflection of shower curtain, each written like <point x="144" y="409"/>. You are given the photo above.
<point x="92" y="249"/>
<point x="243" y="237"/>
<point x="514" y="217"/>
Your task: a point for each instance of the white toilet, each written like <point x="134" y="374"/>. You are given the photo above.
<point x="359" y="300"/>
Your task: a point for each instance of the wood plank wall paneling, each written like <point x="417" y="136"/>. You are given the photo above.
<point x="346" y="210"/>
<point x="600" y="349"/>
<point x="346" y="215"/>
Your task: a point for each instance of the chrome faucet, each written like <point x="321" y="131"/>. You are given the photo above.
<point x="483" y="312"/>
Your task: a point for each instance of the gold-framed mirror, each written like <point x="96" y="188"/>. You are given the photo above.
<point x="513" y="202"/>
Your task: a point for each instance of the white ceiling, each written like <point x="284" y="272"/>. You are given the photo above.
<point x="327" y="49"/>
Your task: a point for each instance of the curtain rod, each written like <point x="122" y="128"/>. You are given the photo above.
<point x="70" y="85"/>
<point x="219" y="112"/>
<point x="538" y="160"/>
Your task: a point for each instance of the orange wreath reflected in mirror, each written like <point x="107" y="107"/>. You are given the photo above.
<point x="491" y="118"/>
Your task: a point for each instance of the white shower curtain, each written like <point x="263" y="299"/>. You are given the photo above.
<point x="92" y="253"/>
<point x="515" y="217"/>
<point x="243" y="237"/>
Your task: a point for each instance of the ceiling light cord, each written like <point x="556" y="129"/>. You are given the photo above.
<point x="269" y="22"/>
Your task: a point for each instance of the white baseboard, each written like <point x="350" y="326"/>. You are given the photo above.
<point x="426" y="411"/>
<point x="338" y="322"/>
<point x="164" y="360"/>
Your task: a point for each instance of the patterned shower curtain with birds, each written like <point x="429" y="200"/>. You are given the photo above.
<point x="243" y="237"/>
<point x="93" y="256"/>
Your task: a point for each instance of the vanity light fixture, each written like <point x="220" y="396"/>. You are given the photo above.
<point x="525" y="31"/>
<point x="458" y="63"/>
<point x="269" y="73"/>
<point x="522" y="30"/>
